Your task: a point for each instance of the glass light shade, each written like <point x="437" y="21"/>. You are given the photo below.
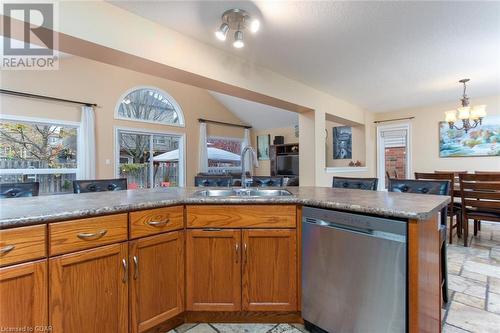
<point x="463" y="112"/>
<point x="221" y="33"/>
<point x="254" y="26"/>
<point x="238" y="40"/>
<point x="451" y="116"/>
<point x="478" y="111"/>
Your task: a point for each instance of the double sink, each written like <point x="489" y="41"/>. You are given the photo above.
<point x="243" y="192"/>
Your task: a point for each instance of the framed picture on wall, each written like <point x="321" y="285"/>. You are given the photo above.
<point x="263" y="146"/>
<point x="342" y="142"/>
<point x="484" y="140"/>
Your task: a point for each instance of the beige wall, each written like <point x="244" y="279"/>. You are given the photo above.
<point x="114" y="28"/>
<point x="358" y="145"/>
<point x="425" y="137"/>
<point x="264" y="168"/>
<point x="94" y="82"/>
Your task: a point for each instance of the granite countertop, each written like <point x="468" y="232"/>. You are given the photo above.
<point x="44" y="209"/>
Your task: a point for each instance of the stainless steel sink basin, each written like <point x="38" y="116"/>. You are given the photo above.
<point x="241" y="192"/>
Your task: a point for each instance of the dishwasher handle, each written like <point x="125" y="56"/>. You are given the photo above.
<point x="358" y="230"/>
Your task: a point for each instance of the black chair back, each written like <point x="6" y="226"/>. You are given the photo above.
<point x="355" y="183"/>
<point x="265" y="181"/>
<point x="100" y="185"/>
<point x="213" y="181"/>
<point x="438" y="187"/>
<point x="19" y="190"/>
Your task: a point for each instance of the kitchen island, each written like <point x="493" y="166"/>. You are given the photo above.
<point x="156" y="258"/>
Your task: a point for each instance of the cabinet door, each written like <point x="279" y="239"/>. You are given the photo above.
<point x="23" y="296"/>
<point x="269" y="270"/>
<point x="213" y="270"/>
<point x="88" y="291"/>
<point x="156" y="279"/>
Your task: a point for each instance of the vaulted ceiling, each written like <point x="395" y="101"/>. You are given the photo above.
<point x="378" y="55"/>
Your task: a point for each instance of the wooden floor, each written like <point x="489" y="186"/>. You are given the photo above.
<point x="474" y="283"/>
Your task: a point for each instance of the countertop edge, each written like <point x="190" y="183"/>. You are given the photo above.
<point x="79" y="214"/>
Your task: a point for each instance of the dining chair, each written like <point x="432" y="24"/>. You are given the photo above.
<point x="265" y="181"/>
<point x="437" y="187"/>
<point x="388" y="174"/>
<point x="480" y="199"/>
<point x="213" y="181"/>
<point x="355" y="183"/>
<point x="99" y="185"/>
<point x="19" y="190"/>
<point x="454" y="208"/>
<point x="478" y="222"/>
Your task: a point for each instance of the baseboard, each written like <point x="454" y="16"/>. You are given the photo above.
<point x="168" y="325"/>
<point x="243" y="317"/>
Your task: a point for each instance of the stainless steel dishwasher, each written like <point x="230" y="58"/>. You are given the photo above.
<point x="353" y="272"/>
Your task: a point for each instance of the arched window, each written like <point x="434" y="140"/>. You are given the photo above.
<point x="152" y="105"/>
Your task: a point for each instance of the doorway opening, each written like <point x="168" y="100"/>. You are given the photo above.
<point x="393" y="153"/>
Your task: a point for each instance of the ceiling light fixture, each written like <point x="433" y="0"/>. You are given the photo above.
<point x="471" y="116"/>
<point x="237" y="20"/>
<point x="238" y="39"/>
<point x="221" y="33"/>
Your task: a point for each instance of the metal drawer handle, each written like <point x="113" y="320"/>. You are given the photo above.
<point x="7" y="249"/>
<point x="158" y="223"/>
<point x="136" y="267"/>
<point x="92" y="236"/>
<point x="237" y="247"/>
<point x="245" y="249"/>
<point x="211" y="229"/>
<point x="125" y="273"/>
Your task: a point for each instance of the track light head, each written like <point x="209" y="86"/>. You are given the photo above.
<point x="238" y="39"/>
<point x="221" y="33"/>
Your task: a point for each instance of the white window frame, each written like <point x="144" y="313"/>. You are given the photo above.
<point x="381" y="152"/>
<point x="143" y="131"/>
<point x="45" y="121"/>
<point x="230" y="138"/>
<point x="172" y="101"/>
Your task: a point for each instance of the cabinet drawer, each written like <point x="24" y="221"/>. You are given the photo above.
<point x="241" y="216"/>
<point x="87" y="233"/>
<point x="22" y="244"/>
<point x="155" y="221"/>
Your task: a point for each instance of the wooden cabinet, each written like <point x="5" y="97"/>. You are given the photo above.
<point x="213" y="270"/>
<point x="87" y="233"/>
<point x="269" y="281"/>
<point x="23" y="296"/>
<point x="230" y="272"/>
<point x="88" y="291"/>
<point x="156" y="279"/>
<point x="241" y="216"/>
<point x="154" y="221"/>
<point x="22" y="244"/>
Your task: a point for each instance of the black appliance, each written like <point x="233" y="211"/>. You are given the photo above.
<point x="288" y="165"/>
<point x="279" y="140"/>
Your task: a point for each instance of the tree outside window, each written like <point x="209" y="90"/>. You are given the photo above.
<point x="32" y="151"/>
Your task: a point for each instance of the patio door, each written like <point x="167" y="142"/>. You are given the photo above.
<point x="393" y="153"/>
<point x="150" y="159"/>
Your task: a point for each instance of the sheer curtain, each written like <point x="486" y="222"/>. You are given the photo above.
<point x="86" y="145"/>
<point x="203" y="152"/>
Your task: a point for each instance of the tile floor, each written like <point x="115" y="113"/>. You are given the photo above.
<point x="239" y="328"/>
<point x="474" y="286"/>
<point x="474" y="283"/>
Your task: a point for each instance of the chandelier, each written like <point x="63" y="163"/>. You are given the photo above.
<point x="237" y="20"/>
<point x="471" y="116"/>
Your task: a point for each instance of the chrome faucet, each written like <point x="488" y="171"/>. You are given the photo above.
<point x="253" y="158"/>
